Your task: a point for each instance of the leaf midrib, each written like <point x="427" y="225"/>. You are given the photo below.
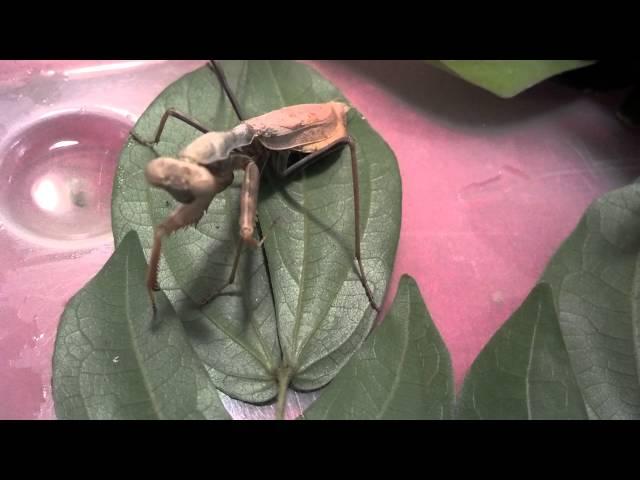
<point x="301" y="283"/>
<point x="396" y="380"/>
<point x="530" y="361"/>
<point x="134" y="346"/>
<point x="635" y="319"/>
<point x="301" y="289"/>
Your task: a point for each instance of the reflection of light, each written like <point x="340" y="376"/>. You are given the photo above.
<point x="45" y="195"/>
<point x="63" y="143"/>
<point x="105" y="68"/>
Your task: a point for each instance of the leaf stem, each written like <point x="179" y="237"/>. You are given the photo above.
<point x="284" y="375"/>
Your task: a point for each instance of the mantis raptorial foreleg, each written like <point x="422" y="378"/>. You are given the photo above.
<point x="183" y="216"/>
<point x="248" y="209"/>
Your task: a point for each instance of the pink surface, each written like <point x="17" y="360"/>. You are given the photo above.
<point x="490" y="189"/>
<point x="490" y="186"/>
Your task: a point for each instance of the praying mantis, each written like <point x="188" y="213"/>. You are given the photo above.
<point x="206" y="167"/>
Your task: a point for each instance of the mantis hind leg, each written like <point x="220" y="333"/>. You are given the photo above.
<point x="315" y="156"/>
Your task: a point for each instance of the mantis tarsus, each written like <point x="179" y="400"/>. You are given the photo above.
<point x="205" y="167"/>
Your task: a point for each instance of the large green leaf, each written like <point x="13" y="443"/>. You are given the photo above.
<point x="111" y="362"/>
<point x="596" y="284"/>
<point x="403" y="370"/>
<point x="524" y="371"/>
<point x="507" y="78"/>
<point x="299" y="302"/>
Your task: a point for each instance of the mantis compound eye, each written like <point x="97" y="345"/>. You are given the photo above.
<point x="182" y="180"/>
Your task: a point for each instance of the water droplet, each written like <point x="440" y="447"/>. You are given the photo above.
<point x="116" y="359"/>
<point x="59" y="176"/>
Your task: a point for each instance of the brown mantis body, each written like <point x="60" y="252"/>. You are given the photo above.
<point x="206" y="167"/>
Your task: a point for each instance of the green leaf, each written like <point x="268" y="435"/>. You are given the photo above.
<point x="523" y="373"/>
<point x="299" y="303"/>
<point x="507" y="78"/>
<point x="110" y="362"/>
<point x="403" y="370"/>
<point x="596" y="284"/>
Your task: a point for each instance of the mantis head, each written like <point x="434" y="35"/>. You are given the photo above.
<point x="183" y="180"/>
